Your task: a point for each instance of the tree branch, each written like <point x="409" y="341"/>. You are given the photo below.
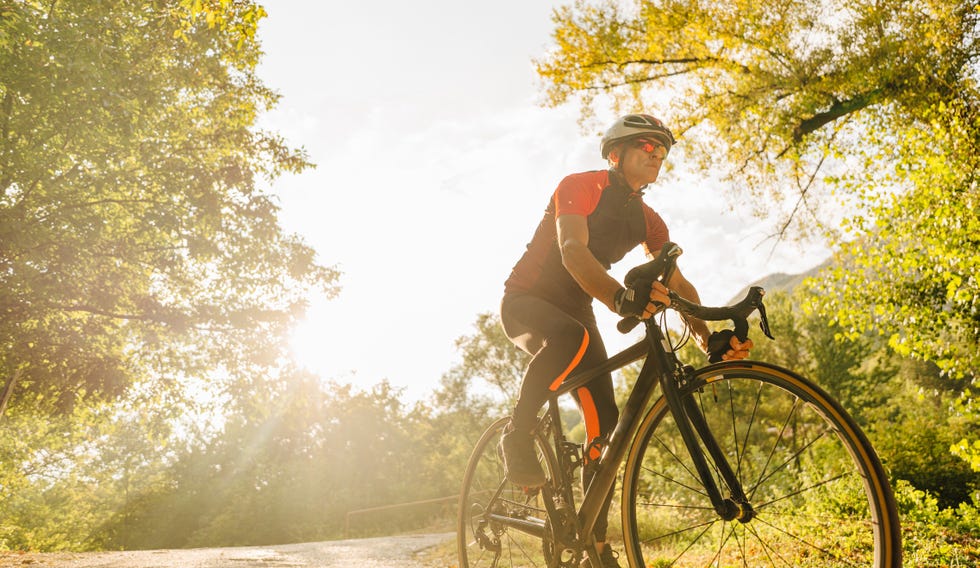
<point x="625" y="82"/>
<point x="654" y="62"/>
<point x="836" y="110"/>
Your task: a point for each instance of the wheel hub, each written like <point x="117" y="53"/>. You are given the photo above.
<point x="733" y="511"/>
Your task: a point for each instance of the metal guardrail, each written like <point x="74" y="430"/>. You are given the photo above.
<point x="356" y="512"/>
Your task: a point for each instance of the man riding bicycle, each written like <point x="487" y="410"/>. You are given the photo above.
<point x="592" y="220"/>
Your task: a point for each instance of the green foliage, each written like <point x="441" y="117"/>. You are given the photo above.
<point x="934" y="536"/>
<point x="968" y="451"/>
<point x="134" y="236"/>
<point x="62" y="476"/>
<point x="769" y="86"/>
<point x="491" y="366"/>
<point x="286" y="470"/>
<point x="921" y="252"/>
<point x="145" y="282"/>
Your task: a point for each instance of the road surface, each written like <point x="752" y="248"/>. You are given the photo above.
<point x="383" y="552"/>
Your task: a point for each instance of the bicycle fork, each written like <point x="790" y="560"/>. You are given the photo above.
<point x="694" y="431"/>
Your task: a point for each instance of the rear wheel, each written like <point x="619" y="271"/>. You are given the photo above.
<point x="501" y="524"/>
<point x="818" y="493"/>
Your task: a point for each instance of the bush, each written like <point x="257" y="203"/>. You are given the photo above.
<point x="937" y="537"/>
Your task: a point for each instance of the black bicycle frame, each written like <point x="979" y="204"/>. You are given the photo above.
<point x="660" y="366"/>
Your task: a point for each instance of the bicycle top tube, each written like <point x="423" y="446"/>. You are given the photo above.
<point x="577" y="379"/>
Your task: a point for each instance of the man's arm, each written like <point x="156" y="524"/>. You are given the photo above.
<point x="591" y="275"/>
<point x="573" y="241"/>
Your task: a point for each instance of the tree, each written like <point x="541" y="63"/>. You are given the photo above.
<point x="136" y="238"/>
<point x="868" y="106"/>
<point x="920" y="248"/>
<point x="489" y="360"/>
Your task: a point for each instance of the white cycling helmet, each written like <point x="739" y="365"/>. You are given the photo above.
<point x="634" y="126"/>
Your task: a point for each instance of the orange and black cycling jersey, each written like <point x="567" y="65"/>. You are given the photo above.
<point x="618" y="220"/>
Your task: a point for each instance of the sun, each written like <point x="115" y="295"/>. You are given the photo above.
<point x="326" y="343"/>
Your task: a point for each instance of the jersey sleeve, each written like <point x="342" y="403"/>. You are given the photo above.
<point x="578" y="194"/>
<point x="657" y="233"/>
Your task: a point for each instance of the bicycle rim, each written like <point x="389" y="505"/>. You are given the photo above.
<point x="491" y="511"/>
<point x="817" y="488"/>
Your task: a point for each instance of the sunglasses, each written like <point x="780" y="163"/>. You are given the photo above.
<point x="647" y="146"/>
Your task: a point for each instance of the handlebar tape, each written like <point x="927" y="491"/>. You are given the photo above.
<point x="627" y="324"/>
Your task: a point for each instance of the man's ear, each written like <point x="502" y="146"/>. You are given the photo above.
<point x="614" y="156"/>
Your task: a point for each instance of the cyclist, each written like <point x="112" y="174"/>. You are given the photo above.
<point x="592" y="220"/>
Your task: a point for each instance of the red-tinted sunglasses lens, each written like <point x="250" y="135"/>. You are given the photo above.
<point x="646" y="146"/>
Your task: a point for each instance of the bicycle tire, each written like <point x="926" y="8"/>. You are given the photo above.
<point x="819" y="492"/>
<point x="484" y="542"/>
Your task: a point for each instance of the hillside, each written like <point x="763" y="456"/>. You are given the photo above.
<point x="780" y="281"/>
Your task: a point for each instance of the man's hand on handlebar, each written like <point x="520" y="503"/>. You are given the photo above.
<point x="739" y="350"/>
<point x="724" y="346"/>
<point x="641" y="299"/>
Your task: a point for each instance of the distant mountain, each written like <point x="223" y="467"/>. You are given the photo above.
<point x="781" y="282"/>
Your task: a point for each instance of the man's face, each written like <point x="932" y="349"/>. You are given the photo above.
<point x="641" y="161"/>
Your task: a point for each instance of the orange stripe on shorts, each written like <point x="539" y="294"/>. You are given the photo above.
<point x="575" y="361"/>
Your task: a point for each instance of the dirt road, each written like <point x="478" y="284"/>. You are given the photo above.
<point x="384" y="552"/>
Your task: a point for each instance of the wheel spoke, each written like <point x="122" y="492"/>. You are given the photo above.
<point x="678" y="460"/>
<point x="775" y="444"/>
<point x="722" y="540"/>
<point x="689" y="487"/>
<point x="767" y="548"/>
<point x="748" y="428"/>
<point x="787" y="461"/>
<point x="676" y="506"/>
<point x="800" y="491"/>
<point x="520" y="548"/>
<point x="707" y="527"/>
<point x="806" y="542"/>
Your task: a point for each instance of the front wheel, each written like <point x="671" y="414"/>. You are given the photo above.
<point x="818" y="492"/>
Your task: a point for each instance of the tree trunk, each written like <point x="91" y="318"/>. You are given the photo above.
<point x="7" y="391"/>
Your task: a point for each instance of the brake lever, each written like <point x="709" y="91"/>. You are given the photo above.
<point x="764" y="320"/>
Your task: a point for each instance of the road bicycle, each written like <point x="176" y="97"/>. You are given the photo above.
<point x="739" y="463"/>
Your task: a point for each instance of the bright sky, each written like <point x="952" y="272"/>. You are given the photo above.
<point x="435" y="160"/>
